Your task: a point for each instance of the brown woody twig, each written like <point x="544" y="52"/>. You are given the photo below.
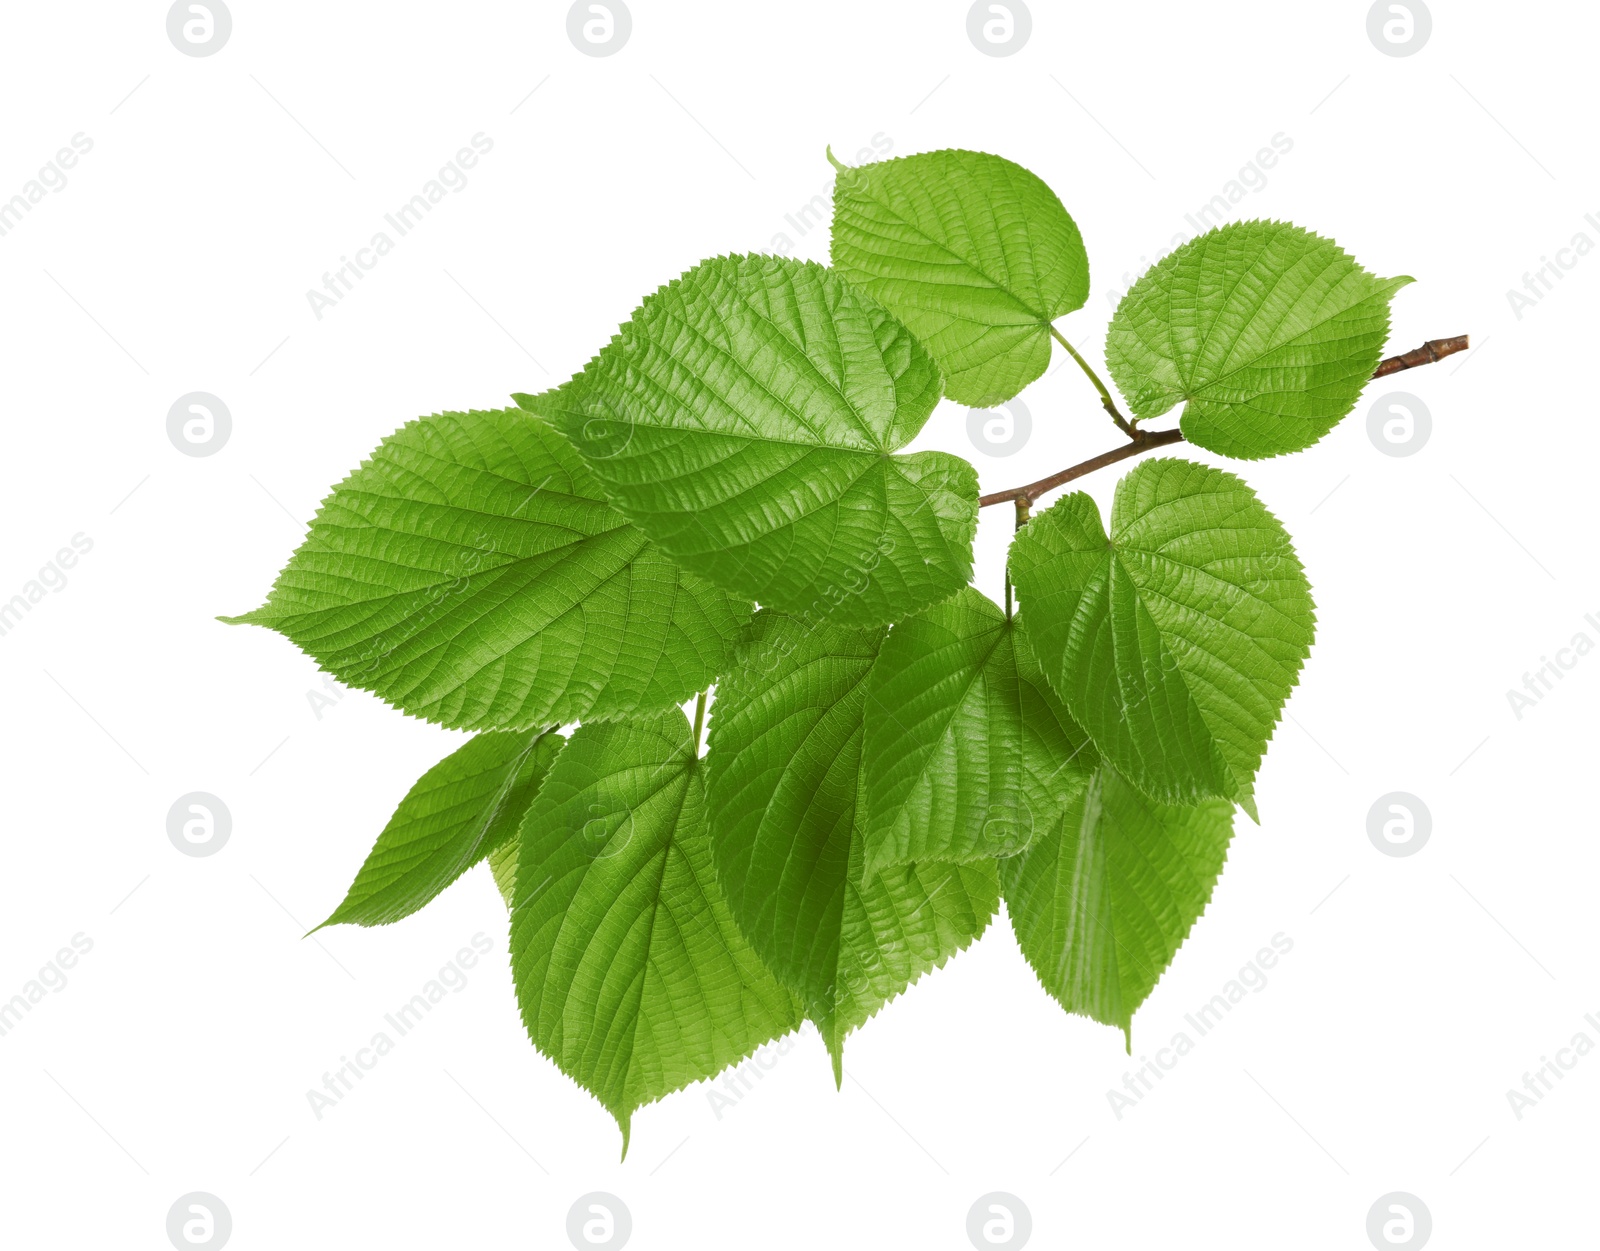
<point x="1143" y="440"/>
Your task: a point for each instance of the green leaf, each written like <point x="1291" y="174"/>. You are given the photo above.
<point x="1102" y="903"/>
<point x="471" y="573"/>
<point x="783" y="789"/>
<point x="1175" y="641"/>
<point x="964" y="758"/>
<point x="745" y="418"/>
<point x="503" y="864"/>
<point x="1266" y="332"/>
<point x="630" y="972"/>
<point x="464" y="808"/>
<point x="975" y="254"/>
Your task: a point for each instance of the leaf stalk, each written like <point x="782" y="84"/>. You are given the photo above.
<point x="1127" y="427"/>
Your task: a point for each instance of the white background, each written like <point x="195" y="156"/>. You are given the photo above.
<point x="177" y="258"/>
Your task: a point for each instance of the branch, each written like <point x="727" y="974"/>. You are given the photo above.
<point x="1143" y="440"/>
<point x="1432" y="350"/>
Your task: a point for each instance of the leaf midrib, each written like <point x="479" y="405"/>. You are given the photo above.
<point x="999" y="630"/>
<point x="566" y="917"/>
<point x="1193" y="390"/>
<point x="795" y="357"/>
<point x="1039" y="315"/>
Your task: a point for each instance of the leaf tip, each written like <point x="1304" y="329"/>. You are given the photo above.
<point x="834" y="161"/>
<point x="333" y="919"/>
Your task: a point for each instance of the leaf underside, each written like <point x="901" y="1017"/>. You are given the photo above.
<point x="747" y="418"/>
<point x="1267" y="333"/>
<point x="973" y="253"/>
<point x="784" y="758"/>
<point x="1176" y="641"/>
<point x="471" y="573"/>
<point x="630" y="972"/>
<point x="503" y="865"/>
<point x="463" y="809"/>
<point x="1102" y="903"/>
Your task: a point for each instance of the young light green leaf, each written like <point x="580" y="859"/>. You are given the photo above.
<point x="471" y="573"/>
<point x="784" y="784"/>
<point x="1175" y="641"/>
<point x="503" y="864"/>
<point x="964" y="758"/>
<point x="745" y="418"/>
<point x="464" y="808"/>
<point x="629" y="969"/>
<point x="1267" y="333"/>
<point x="974" y="253"/>
<point x="1102" y="903"/>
